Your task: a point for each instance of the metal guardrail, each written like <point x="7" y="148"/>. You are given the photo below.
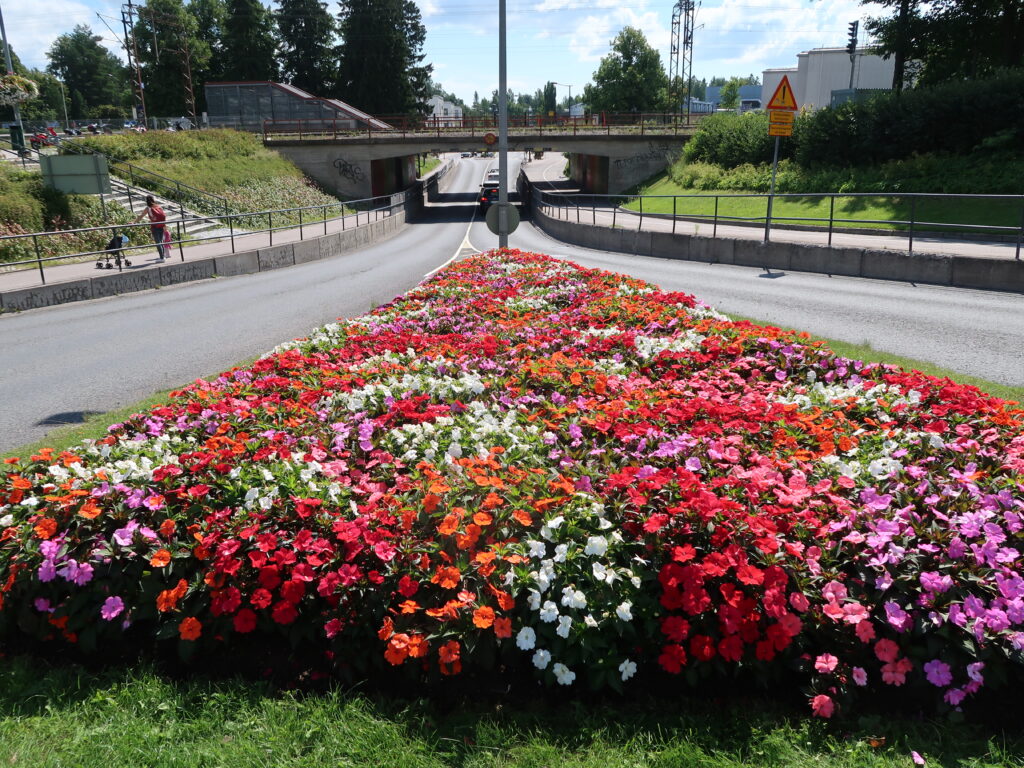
<point x="370" y="209"/>
<point x="563" y="205"/>
<point x="597" y="124"/>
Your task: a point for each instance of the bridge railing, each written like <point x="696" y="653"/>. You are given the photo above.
<point x="598" y="123"/>
<point x="42" y="249"/>
<point x="996" y="218"/>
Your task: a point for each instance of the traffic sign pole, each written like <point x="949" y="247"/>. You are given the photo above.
<point x="771" y="193"/>
<point x="502" y="132"/>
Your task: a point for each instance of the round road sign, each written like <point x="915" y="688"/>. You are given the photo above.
<point x="512" y="218"/>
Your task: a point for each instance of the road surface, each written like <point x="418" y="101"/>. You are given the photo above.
<point x="100" y="355"/>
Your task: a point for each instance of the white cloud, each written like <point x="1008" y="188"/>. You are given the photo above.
<point x="32" y="27"/>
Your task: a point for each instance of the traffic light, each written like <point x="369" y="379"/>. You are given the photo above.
<point x="851" y="46"/>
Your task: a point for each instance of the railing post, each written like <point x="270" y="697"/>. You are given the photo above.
<point x="640" y="223"/>
<point x="673" y="214"/>
<point x="342" y="217"/>
<point x="1020" y="235"/>
<point x="913" y="215"/>
<point x="39" y="258"/>
<point x="231" y="230"/>
<point x="300" y="224"/>
<point x="577" y="199"/>
<point x="831" y="217"/>
<point x="615" y="209"/>
<point x="325" y="217"/>
<point x="714" y="231"/>
<point x="593" y="209"/>
<point x="270" y="226"/>
<point x="181" y="250"/>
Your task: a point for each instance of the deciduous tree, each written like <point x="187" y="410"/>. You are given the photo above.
<point x="630" y="78"/>
<point x="91" y="74"/>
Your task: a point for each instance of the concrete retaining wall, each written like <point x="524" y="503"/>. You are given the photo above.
<point x="247" y="262"/>
<point x="959" y="271"/>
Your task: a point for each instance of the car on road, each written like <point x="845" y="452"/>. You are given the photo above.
<point x="488" y="194"/>
<point x="466" y="154"/>
<point x="493" y="175"/>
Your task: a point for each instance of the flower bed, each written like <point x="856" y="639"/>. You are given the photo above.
<point x="522" y="461"/>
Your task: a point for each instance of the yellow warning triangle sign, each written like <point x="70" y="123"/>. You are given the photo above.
<point x="783" y="97"/>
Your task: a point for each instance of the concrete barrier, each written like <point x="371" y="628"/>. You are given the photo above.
<point x="245" y="263"/>
<point x="276" y="256"/>
<point x="125" y="282"/>
<point x="186" y="271"/>
<point x="960" y="271"/>
<point x="988" y="273"/>
<point x="46" y="295"/>
<point x="306" y="251"/>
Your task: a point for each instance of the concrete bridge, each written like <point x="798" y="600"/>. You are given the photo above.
<point x="603" y="159"/>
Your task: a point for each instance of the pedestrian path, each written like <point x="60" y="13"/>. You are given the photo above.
<point x="545" y="174"/>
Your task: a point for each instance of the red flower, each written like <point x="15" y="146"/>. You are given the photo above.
<point x="284" y="613"/>
<point x="672" y="659"/>
<point x="261" y="598"/>
<point x="702" y="647"/>
<point x="190" y="628"/>
<point x="245" y="621"/>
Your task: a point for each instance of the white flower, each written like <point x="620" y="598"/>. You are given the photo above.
<point x="455" y="451"/>
<point x="596" y="545"/>
<point x="600" y="572"/>
<point x="563" y="674"/>
<point x="624" y="611"/>
<point x="538" y="549"/>
<point x="534" y="599"/>
<point x="6" y="520"/>
<point x="577" y="600"/>
<point x="590" y="621"/>
<point x="549" y="612"/>
<point x="526" y="638"/>
<point x="564" y="625"/>
<point x="604" y="523"/>
<point x="541" y="658"/>
<point x="555" y="522"/>
<point x="628" y="669"/>
<point x="560" y="552"/>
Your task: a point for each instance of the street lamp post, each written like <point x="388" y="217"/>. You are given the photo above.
<point x="566" y="85"/>
<point x="64" y="103"/>
<point x="10" y="68"/>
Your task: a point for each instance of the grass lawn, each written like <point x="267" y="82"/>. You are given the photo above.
<point x="66" y="716"/>
<point x="428" y="165"/>
<point x="882" y="212"/>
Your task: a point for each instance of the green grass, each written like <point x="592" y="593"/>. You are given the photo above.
<point x="65" y="716"/>
<point x="883" y="212"/>
<point x="428" y="165"/>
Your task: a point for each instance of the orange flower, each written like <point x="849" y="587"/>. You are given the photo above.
<point x="45" y="528"/>
<point x="167" y="528"/>
<point x="449" y="652"/>
<point x="447" y="577"/>
<point x="169" y="598"/>
<point x="90" y="510"/>
<point x="190" y="629"/>
<point x="397" y="650"/>
<point x="409" y="606"/>
<point x="485" y="557"/>
<point x="160" y="558"/>
<point x="449" y="525"/>
<point x="483" y="617"/>
<point x="20" y="482"/>
<point x="418" y="647"/>
<point x="387" y="629"/>
<point x="503" y="627"/>
<point x="482" y="518"/>
<point x="493" y="500"/>
<point x="522" y="517"/>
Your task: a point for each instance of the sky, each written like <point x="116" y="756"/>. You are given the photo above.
<point x="558" y="40"/>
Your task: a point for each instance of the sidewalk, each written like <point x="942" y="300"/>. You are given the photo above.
<point x="143" y="260"/>
<point x="546" y="174"/>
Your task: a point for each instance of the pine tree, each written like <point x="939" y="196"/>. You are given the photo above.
<point x="163" y="32"/>
<point x="250" y="47"/>
<point x="210" y="16"/>
<point x="380" y="67"/>
<point x="306" y="34"/>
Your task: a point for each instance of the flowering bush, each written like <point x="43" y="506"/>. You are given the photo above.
<point x="525" y="462"/>
<point x="15" y="89"/>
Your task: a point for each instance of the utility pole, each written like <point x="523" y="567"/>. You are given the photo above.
<point x="10" y="71"/>
<point x="131" y="50"/>
<point x="682" y="45"/>
<point x="184" y="51"/>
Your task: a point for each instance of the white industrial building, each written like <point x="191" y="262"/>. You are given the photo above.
<point x="822" y="70"/>
<point x="444" y="114"/>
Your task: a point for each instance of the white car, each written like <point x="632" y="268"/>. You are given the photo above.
<point x="493" y="175"/>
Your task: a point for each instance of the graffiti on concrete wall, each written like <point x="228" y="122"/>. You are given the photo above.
<point x="349" y="171"/>
<point x="655" y="151"/>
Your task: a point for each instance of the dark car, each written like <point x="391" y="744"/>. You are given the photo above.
<point x="488" y="195"/>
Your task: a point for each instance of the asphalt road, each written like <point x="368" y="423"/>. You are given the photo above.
<point x="100" y="355"/>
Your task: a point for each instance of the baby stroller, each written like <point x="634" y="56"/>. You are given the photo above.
<point x="113" y="251"/>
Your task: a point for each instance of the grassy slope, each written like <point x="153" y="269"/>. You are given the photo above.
<point x="883" y="212"/>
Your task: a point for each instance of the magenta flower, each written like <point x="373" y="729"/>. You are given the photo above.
<point x="822" y="706"/>
<point x="112" y="608"/>
<point x="43" y="605"/>
<point x="47" y="571"/>
<point x="938" y="673"/>
<point x="860" y="676"/>
<point x="974" y="671"/>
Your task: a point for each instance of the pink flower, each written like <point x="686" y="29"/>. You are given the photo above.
<point x="893" y="674"/>
<point x="855" y="613"/>
<point x="384" y="550"/>
<point x="822" y="706"/>
<point x="954" y="696"/>
<point x="974" y="671"/>
<point x="112" y="608"/>
<point x="154" y="501"/>
<point x="865" y="631"/>
<point x="938" y="673"/>
<point x="917" y="758"/>
<point x="799" y="601"/>
<point x="860" y="677"/>
<point x="886" y="650"/>
<point x="825" y="663"/>
<point x="833" y="592"/>
<point x="333" y="627"/>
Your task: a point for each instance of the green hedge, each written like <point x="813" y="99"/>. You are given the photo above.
<point x="957" y="118"/>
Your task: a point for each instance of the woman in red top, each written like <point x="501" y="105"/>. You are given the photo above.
<point x="157" y="217"/>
